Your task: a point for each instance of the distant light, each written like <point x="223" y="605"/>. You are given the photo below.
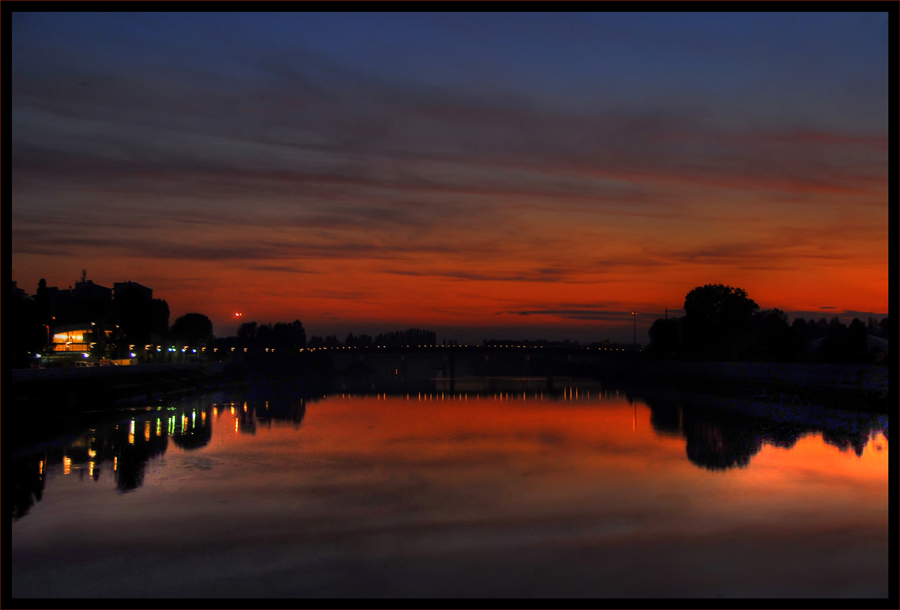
<point x="85" y="355"/>
<point x="237" y="314"/>
<point x="37" y="355"/>
<point x="132" y="354"/>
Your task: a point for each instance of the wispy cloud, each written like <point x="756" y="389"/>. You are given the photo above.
<point x="269" y="158"/>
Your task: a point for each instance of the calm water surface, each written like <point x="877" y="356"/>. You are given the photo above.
<point x="585" y="495"/>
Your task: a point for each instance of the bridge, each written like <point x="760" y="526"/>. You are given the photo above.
<point x="457" y="367"/>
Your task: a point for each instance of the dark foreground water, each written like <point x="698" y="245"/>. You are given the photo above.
<point x="584" y="494"/>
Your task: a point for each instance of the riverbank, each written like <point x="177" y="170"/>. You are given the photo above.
<point x="42" y="402"/>
<point x="841" y="386"/>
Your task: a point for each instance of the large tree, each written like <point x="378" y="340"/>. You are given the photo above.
<point x="716" y="319"/>
<point x="718" y="304"/>
<point x="664" y="338"/>
<point x="193" y="329"/>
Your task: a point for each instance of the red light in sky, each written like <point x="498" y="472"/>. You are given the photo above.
<point x="238" y="315"/>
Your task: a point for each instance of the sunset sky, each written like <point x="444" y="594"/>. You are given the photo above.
<point x="479" y="175"/>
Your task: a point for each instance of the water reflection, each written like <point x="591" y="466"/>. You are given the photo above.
<point x="715" y="438"/>
<point x="720" y="438"/>
<point x="601" y="494"/>
<point x="125" y="448"/>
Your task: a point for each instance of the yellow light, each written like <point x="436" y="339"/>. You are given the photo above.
<point x="236" y="422"/>
<point x="67" y="465"/>
<point x="132" y="426"/>
<point x="92" y="453"/>
<point x="91" y="469"/>
<point x="41" y="467"/>
<point x="130" y="438"/>
<point x="158" y="426"/>
<point x="203" y="416"/>
<point x="115" y="463"/>
<point x="245" y="407"/>
<point x="147" y="431"/>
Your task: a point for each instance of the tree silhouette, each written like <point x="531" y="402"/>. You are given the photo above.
<point x="716" y="304"/>
<point x="247" y="333"/>
<point x="193" y="329"/>
<point x="771" y="338"/>
<point x="716" y="318"/>
<point x="664" y="338"/>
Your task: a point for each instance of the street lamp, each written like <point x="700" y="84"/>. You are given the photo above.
<point x="634" y="317"/>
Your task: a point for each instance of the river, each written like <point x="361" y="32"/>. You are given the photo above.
<point x="584" y="493"/>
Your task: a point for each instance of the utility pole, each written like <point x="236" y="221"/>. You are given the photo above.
<point x="634" y="317"/>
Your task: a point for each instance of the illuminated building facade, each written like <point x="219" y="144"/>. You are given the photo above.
<point x="79" y="337"/>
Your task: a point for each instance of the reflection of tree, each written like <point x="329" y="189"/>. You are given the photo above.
<point x="845" y="439"/>
<point x="132" y="457"/>
<point x="782" y="435"/>
<point x="717" y="446"/>
<point x="194" y="433"/>
<point x="282" y="408"/>
<point x="664" y="417"/>
<point x="722" y="438"/>
<point x="26" y="488"/>
<point x="247" y="421"/>
<point x="126" y="447"/>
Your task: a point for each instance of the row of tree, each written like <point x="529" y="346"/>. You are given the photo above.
<point x="292" y="335"/>
<point x="724" y="323"/>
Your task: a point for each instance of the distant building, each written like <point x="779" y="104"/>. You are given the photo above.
<point x="120" y="288"/>
<point x="58" y="299"/>
<point x="18" y="292"/>
<point x="89" y="290"/>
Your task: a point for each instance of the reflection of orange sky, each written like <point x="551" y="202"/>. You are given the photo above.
<point x="544" y="452"/>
